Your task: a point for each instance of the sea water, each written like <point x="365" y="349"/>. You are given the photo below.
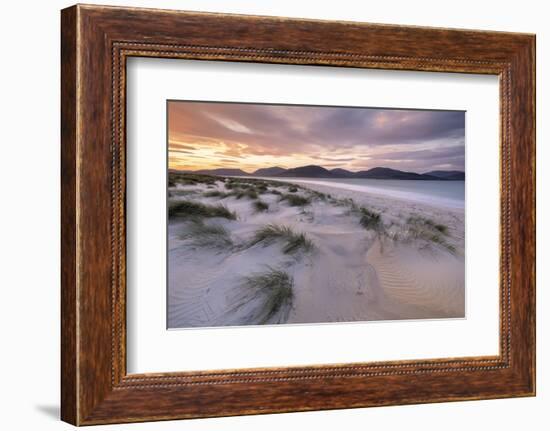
<point x="438" y="193"/>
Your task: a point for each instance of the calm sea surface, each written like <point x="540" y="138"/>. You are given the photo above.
<point x="439" y="193"/>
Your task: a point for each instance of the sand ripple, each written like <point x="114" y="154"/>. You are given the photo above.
<point x="423" y="285"/>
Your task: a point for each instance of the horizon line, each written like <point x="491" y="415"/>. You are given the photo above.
<point x="319" y="166"/>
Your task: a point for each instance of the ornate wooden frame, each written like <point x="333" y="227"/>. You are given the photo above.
<point x="95" y="42"/>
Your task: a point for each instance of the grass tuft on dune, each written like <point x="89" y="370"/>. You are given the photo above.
<point x="260" y="206"/>
<point x="190" y="179"/>
<point x="295" y="200"/>
<point x="180" y="192"/>
<point x="215" y="194"/>
<point x="275" y="288"/>
<point x="427" y="230"/>
<point x="203" y="235"/>
<point x="318" y="195"/>
<point x="293" y="242"/>
<point x="441" y="228"/>
<point x="188" y="209"/>
<point x="369" y="219"/>
<point x="245" y="193"/>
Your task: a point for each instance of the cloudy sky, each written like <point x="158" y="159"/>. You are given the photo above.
<point x="206" y="135"/>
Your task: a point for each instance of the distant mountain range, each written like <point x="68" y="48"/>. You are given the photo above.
<point x="269" y="172"/>
<point x="314" y="171"/>
<point x="447" y="175"/>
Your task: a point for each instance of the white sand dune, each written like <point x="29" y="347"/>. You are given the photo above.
<point x="422" y="285"/>
<point x="351" y="274"/>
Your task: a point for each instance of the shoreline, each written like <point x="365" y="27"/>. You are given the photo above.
<point x="393" y="206"/>
<point x="373" y="191"/>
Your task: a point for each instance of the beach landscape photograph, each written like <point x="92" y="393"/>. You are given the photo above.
<point x="298" y="214"/>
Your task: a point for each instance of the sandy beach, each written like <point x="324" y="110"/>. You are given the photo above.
<point x="246" y="251"/>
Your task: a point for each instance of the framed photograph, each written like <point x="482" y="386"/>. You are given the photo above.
<point x="263" y="215"/>
<point x="304" y="243"/>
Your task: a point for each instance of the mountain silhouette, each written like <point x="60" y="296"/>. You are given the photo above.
<point x="315" y="171"/>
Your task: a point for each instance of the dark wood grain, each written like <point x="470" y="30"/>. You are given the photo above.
<point x="96" y="41"/>
<point x="69" y="397"/>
